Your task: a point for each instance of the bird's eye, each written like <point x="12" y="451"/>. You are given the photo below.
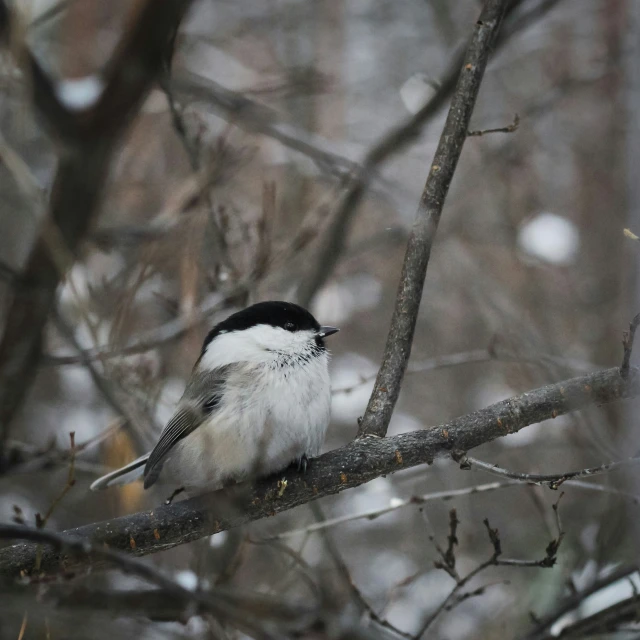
<point x="289" y="326"/>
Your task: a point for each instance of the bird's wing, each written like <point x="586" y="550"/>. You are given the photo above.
<point x="201" y="398"/>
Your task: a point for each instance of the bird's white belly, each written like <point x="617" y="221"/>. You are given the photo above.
<point x="269" y="418"/>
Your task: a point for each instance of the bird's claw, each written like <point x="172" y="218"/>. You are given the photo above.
<point x="303" y="462"/>
<point x="177" y="492"/>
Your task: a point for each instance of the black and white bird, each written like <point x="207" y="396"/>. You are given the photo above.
<point x="257" y="401"/>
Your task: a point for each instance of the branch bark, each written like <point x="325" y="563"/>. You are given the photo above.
<point x="357" y="463"/>
<point x="414" y="269"/>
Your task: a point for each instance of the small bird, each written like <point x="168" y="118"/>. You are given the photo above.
<point x="257" y="401"/>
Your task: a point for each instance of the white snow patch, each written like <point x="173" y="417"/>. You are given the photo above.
<point x="417" y="91"/>
<point x="78" y="94"/>
<point x="187" y="579"/>
<point x="549" y="238"/>
<point x="218" y="539"/>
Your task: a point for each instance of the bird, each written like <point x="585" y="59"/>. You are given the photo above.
<point x="258" y="400"/>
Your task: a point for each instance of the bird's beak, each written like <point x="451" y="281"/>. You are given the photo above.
<point x="327" y="331"/>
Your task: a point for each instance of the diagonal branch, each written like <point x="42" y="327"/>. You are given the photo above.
<point x="414" y="269"/>
<point x="357" y="463"/>
<point x="88" y="136"/>
<point x="394" y="141"/>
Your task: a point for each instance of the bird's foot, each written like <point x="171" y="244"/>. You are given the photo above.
<point x="177" y="492"/>
<point x="303" y="463"/>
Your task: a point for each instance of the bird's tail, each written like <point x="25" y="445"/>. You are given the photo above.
<point x="125" y="475"/>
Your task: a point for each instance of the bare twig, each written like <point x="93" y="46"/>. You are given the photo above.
<point x="627" y="343"/>
<point x="414" y="269"/>
<point x="41" y="522"/>
<point x="552" y="480"/>
<point x="153" y="338"/>
<point x="508" y="129"/>
<point x="496" y="559"/>
<point x="399" y="504"/>
<point x="253" y="116"/>
<point x="373" y="514"/>
<point x="24" y="458"/>
<point x="359" y="462"/>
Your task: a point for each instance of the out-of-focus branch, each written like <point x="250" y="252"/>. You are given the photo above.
<point x="220" y="602"/>
<point x="414" y="269"/>
<point x="88" y="132"/>
<point x="542" y="627"/>
<point x="361" y="461"/>
<point x="475" y="356"/>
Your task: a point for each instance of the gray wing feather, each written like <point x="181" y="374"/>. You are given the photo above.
<point x="183" y="422"/>
<point x="200" y="399"/>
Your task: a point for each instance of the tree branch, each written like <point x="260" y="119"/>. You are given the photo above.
<point x="357" y="463"/>
<point x="89" y="135"/>
<point x="552" y="480"/>
<point x="414" y="269"/>
<point x="391" y="143"/>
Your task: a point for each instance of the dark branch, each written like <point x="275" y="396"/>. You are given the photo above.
<point x="359" y="462"/>
<point x="219" y="602"/>
<point x="414" y="269"/>
<point x="543" y="626"/>
<point x="89" y="137"/>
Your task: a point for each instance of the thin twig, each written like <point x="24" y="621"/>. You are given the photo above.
<point x="553" y="480"/>
<point x="473" y="357"/>
<point x="41" y="522"/>
<point x="399" y="504"/>
<point x="357" y="595"/>
<point x="496" y="559"/>
<point x="414" y="269"/>
<point x="508" y="129"/>
<point x="153" y="338"/>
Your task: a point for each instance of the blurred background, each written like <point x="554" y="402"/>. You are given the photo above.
<point x="532" y="280"/>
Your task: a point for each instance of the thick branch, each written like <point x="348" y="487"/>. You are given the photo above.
<point x="414" y="269"/>
<point x="359" y="462"/>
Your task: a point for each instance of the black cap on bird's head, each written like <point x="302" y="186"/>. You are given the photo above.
<point x="283" y="315"/>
